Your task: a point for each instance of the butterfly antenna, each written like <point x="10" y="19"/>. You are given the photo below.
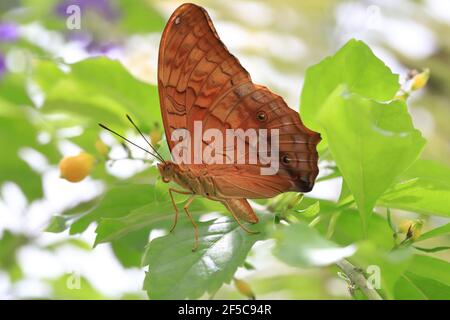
<point x="131" y="142"/>
<point x="143" y="136"/>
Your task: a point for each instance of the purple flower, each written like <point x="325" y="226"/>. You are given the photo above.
<point x="8" y="32"/>
<point x="2" y="65"/>
<point x="110" y="50"/>
<point x="102" y="7"/>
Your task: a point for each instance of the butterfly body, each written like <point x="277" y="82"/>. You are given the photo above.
<point x="196" y="181"/>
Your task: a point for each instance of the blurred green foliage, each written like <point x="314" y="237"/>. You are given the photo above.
<point x="369" y="141"/>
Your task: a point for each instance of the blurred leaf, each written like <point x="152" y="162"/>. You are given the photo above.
<point x="74" y="287"/>
<point x="439" y="231"/>
<point x="16" y="124"/>
<point x="10" y="244"/>
<point x="372" y="143"/>
<point x="175" y="272"/>
<point x="12" y="90"/>
<point x="301" y="246"/>
<point x="78" y="243"/>
<point x="346" y="231"/>
<point x="354" y="65"/>
<point x="391" y="264"/>
<point x="57" y="224"/>
<point x="100" y="90"/>
<point x="140" y="16"/>
<point x="310" y="211"/>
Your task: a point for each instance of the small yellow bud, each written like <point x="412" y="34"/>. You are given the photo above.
<point x="76" y="168"/>
<point x="404" y="226"/>
<point x="420" y="80"/>
<point x="101" y="147"/>
<point x="244" y="288"/>
<point x="412" y="228"/>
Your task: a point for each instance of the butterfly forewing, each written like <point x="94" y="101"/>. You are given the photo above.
<point x="200" y="80"/>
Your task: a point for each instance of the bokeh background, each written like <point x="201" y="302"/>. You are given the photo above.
<point x="275" y="41"/>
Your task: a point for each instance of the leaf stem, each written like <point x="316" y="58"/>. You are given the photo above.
<point x="357" y="279"/>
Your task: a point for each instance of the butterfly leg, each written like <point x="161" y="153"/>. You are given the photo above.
<point x="233" y="213"/>
<point x="175" y="206"/>
<point x="186" y="209"/>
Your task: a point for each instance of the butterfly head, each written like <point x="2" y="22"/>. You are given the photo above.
<point x="167" y="170"/>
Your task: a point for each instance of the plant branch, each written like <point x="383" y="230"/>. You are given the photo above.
<point x="357" y="278"/>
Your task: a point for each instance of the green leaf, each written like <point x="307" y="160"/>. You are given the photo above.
<point x="354" y="65"/>
<point x="346" y="232"/>
<point x="57" y="224"/>
<point x="372" y="143"/>
<point x="118" y="201"/>
<point x="430" y="267"/>
<point x="175" y="272"/>
<point x="391" y="264"/>
<point x="99" y="90"/>
<point x="425" y="278"/>
<point x="414" y="287"/>
<point x="10" y="245"/>
<point x="301" y="246"/>
<point x="439" y="231"/>
<point x="150" y="216"/>
<point x="130" y="248"/>
<point x="423" y="188"/>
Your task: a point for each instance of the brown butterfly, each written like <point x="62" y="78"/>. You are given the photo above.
<point x="199" y="80"/>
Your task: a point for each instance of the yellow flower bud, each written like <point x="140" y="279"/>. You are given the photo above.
<point x="76" y="168"/>
<point x="419" y="81"/>
<point x="244" y="288"/>
<point x="412" y="228"/>
<point x="404" y="226"/>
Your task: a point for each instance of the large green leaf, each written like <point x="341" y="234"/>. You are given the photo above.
<point x="372" y="143"/>
<point x="430" y="267"/>
<point x="175" y="272"/>
<point x="425" y="278"/>
<point x="424" y="188"/>
<point x="153" y="215"/>
<point x="117" y="201"/>
<point x="413" y="287"/>
<point x="301" y="246"/>
<point x="354" y="65"/>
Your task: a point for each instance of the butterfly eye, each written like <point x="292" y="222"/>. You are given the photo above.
<point x="285" y="159"/>
<point x="261" y="116"/>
